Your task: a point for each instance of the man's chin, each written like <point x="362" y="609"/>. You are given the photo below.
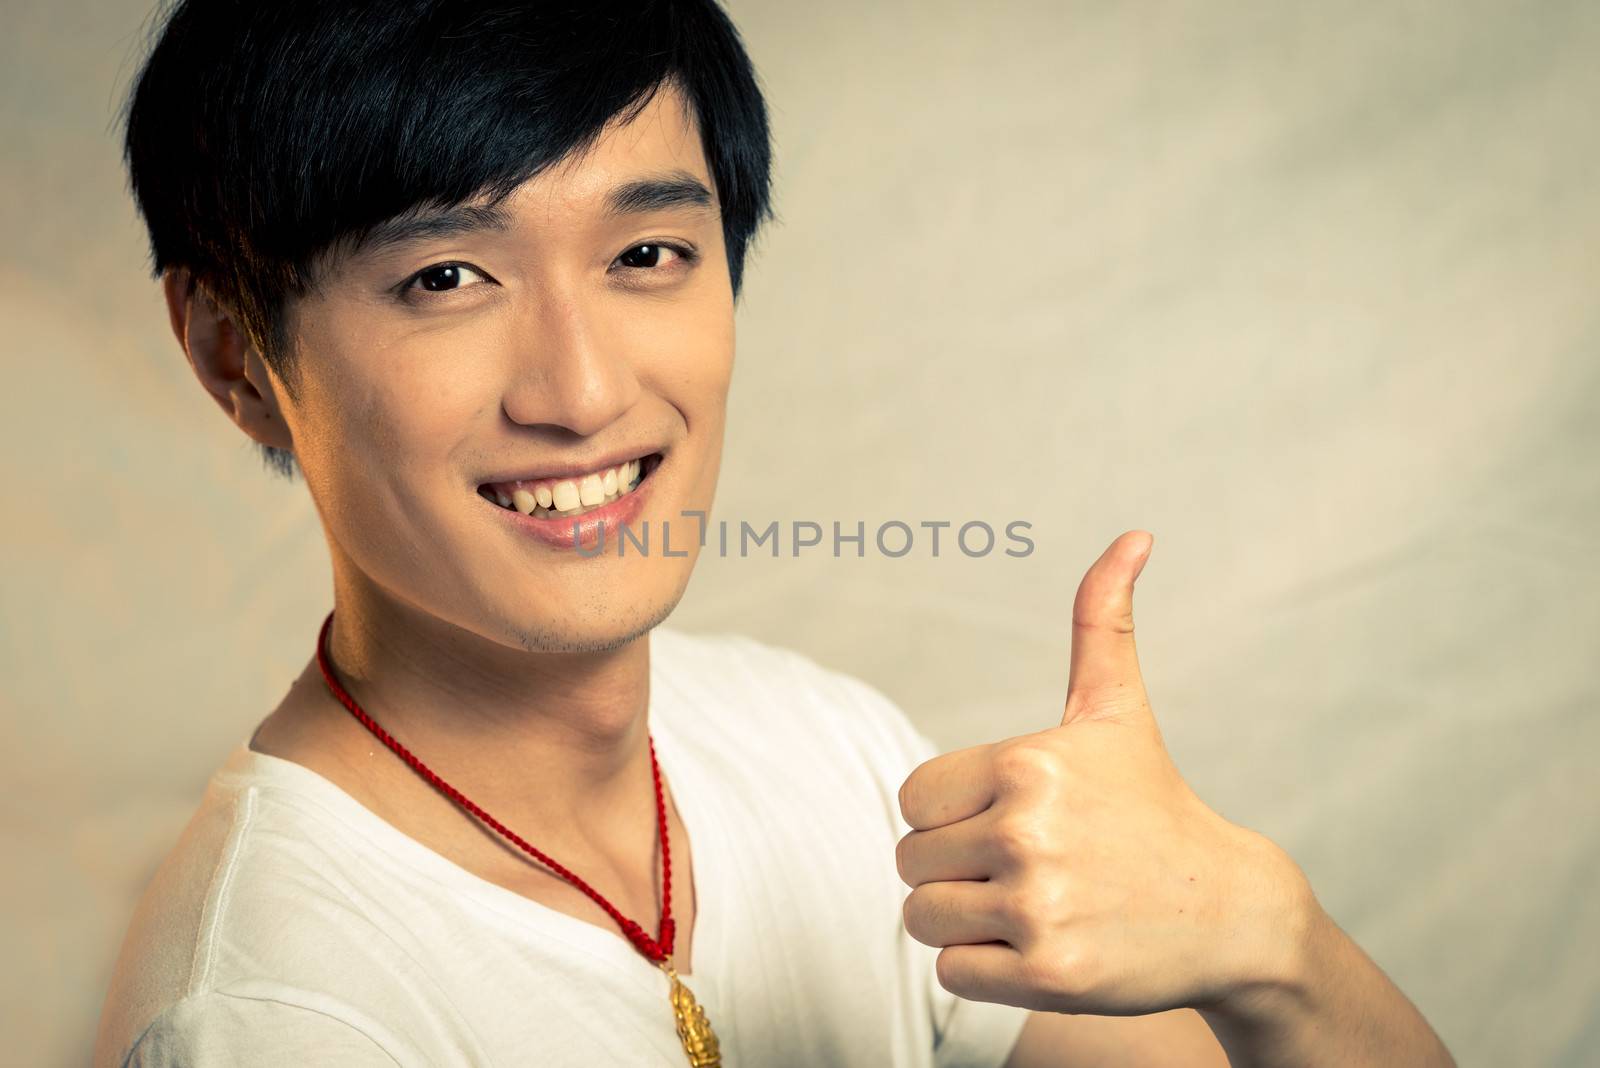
<point x="604" y="632"/>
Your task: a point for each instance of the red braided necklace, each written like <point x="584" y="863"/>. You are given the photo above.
<point x="699" y="1042"/>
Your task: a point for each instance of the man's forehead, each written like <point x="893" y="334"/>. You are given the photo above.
<point x="677" y="190"/>
<point x="653" y="162"/>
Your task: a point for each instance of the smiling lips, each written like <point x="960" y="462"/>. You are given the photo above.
<point x="549" y="498"/>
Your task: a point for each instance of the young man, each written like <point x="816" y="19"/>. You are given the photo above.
<point x="471" y="268"/>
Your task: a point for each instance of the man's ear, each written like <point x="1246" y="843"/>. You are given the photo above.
<point x="226" y="363"/>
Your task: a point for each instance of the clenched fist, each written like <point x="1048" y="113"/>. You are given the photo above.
<point x="1073" y="869"/>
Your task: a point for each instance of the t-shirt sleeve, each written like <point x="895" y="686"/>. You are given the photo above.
<point x="216" y="1028"/>
<point x="967" y="1034"/>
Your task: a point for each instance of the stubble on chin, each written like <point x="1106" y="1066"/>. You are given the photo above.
<point x="557" y="639"/>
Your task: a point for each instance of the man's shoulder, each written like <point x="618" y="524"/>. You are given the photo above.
<point x="252" y="887"/>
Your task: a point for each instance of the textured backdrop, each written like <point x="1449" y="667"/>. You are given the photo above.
<point x="1308" y="290"/>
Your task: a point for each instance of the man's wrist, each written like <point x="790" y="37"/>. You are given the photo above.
<point x="1267" y="1012"/>
<point x="1282" y="932"/>
<point x="1310" y="996"/>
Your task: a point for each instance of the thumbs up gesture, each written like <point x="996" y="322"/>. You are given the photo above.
<point x="1073" y="869"/>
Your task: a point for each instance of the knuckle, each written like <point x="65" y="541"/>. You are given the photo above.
<point x="1115" y="616"/>
<point x="1048" y="973"/>
<point x="1020" y="836"/>
<point x="1018" y="915"/>
<point x="1074" y="978"/>
<point x="1023" y="765"/>
<point x="1035" y="906"/>
<point x="1061" y="971"/>
<point x="900" y="862"/>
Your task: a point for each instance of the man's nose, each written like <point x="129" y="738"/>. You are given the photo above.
<point x="569" y="370"/>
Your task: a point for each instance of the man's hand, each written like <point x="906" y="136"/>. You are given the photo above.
<point x="1073" y="869"/>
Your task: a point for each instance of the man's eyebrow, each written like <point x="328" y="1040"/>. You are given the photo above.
<point x="431" y="223"/>
<point x="675" y="189"/>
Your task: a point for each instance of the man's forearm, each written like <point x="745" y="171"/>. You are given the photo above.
<point x="1336" y="1008"/>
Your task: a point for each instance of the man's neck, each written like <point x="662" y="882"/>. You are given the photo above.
<point x="537" y="739"/>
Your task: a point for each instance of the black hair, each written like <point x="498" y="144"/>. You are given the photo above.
<point x="259" y="135"/>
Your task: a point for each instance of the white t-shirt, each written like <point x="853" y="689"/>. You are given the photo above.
<point x="292" y="926"/>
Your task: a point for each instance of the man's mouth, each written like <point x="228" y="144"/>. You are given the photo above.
<point x="561" y="498"/>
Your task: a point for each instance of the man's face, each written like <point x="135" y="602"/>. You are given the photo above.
<point x="460" y="361"/>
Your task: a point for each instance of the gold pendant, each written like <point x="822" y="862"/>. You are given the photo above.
<point x="694" y="1030"/>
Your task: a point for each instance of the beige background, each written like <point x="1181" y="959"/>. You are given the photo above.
<point x="1307" y="290"/>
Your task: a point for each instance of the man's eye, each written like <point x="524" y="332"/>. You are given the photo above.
<point x="443" y="277"/>
<point x="648" y="257"/>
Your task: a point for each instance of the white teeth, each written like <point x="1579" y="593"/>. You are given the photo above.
<point x="571" y="495"/>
